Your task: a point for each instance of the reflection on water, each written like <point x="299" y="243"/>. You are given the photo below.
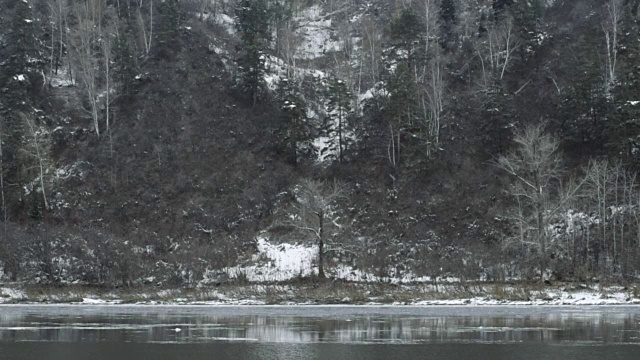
<point x="318" y="325"/>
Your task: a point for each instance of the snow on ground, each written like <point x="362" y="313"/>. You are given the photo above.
<point x="317" y="34"/>
<point x="96" y="301"/>
<point x="61" y="79"/>
<point x="282" y="262"/>
<point x="227" y="22"/>
<point x="8" y="294"/>
<point x="222" y="19"/>
<point x="277" y="262"/>
<point x="557" y="299"/>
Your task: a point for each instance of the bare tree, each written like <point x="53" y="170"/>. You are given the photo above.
<point x="289" y="41"/>
<point x="600" y="187"/>
<point x="38" y="149"/>
<point x="614" y="192"/>
<point x="146" y="25"/>
<point x="372" y="46"/>
<point x="429" y="13"/>
<point x="469" y="17"/>
<point x="59" y="24"/>
<point x="434" y="88"/>
<point x="611" y="28"/>
<point x="538" y="190"/>
<point x="59" y="12"/>
<point x="85" y="40"/>
<point x="106" y="43"/>
<point x="316" y="199"/>
<point x="430" y="76"/>
<point x="496" y="54"/>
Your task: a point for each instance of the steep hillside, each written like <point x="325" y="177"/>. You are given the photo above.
<point x="174" y="141"/>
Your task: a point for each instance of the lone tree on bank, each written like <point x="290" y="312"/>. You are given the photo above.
<point x="315" y="199"/>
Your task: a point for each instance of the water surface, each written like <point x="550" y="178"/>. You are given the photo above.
<point x="318" y="332"/>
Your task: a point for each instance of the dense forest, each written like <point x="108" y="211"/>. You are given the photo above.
<point x="155" y="141"/>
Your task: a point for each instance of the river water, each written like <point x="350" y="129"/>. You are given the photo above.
<point x="120" y="332"/>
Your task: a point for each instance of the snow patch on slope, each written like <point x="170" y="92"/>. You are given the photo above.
<point x="275" y="262"/>
<point x="61" y="79"/>
<point x="282" y="262"/>
<point x="317" y="34"/>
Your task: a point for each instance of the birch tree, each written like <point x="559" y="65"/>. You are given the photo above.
<point x="106" y="46"/>
<point x="496" y="53"/>
<point x="431" y="75"/>
<point x="538" y="190"/>
<point x="86" y="37"/>
<point x="59" y="13"/>
<point x="611" y="28"/>
<point x="372" y="47"/>
<point x="434" y="88"/>
<point x="37" y="150"/>
<point x="599" y="186"/>
<point x="146" y="25"/>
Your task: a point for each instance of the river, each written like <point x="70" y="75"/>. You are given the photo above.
<point x="122" y="332"/>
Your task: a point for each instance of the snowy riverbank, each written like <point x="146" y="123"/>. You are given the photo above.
<point x="310" y="293"/>
<point x="285" y="274"/>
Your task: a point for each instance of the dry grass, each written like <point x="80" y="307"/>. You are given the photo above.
<point x="304" y="290"/>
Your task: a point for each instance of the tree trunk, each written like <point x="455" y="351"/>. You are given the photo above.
<point x="340" y="157"/>
<point x="543" y="244"/>
<point x="321" y="274"/>
<point x="4" y="205"/>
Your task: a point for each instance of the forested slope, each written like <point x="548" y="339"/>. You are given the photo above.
<point x="155" y="141"/>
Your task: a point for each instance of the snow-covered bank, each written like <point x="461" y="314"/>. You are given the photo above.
<point x="309" y="293"/>
<point x="284" y="274"/>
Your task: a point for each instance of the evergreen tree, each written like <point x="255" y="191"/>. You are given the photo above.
<point x="400" y="108"/>
<point x="19" y="78"/>
<point x="297" y="131"/>
<point x="124" y="62"/>
<point x="405" y="34"/>
<point x="169" y="26"/>
<point x="339" y="117"/>
<point x="623" y="129"/>
<point x="448" y="19"/>
<point x="500" y="7"/>
<point x="482" y="26"/>
<point x="252" y="22"/>
<point x="497" y="120"/>
<point x="585" y="106"/>
<point x="527" y="16"/>
<point x="23" y="52"/>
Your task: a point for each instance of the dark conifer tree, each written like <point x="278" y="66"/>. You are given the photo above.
<point x="297" y="132"/>
<point x="528" y="16"/>
<point x="24" y="53"/>
<point x="585" y="106"/>
<point x="499" y="7"/>
<point x="124" y="62"/>
<point x="623" y="129"/>
<point x="338" y="121"/>
<point x="448" y="19"/>
<point x="20" y="79"/>
<point x="169" y="27"/>
<point x="497" y="120"/>
<point x="406" y="31"/>
<point x="400" y="108"/>
<point x="252" y="22"/>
